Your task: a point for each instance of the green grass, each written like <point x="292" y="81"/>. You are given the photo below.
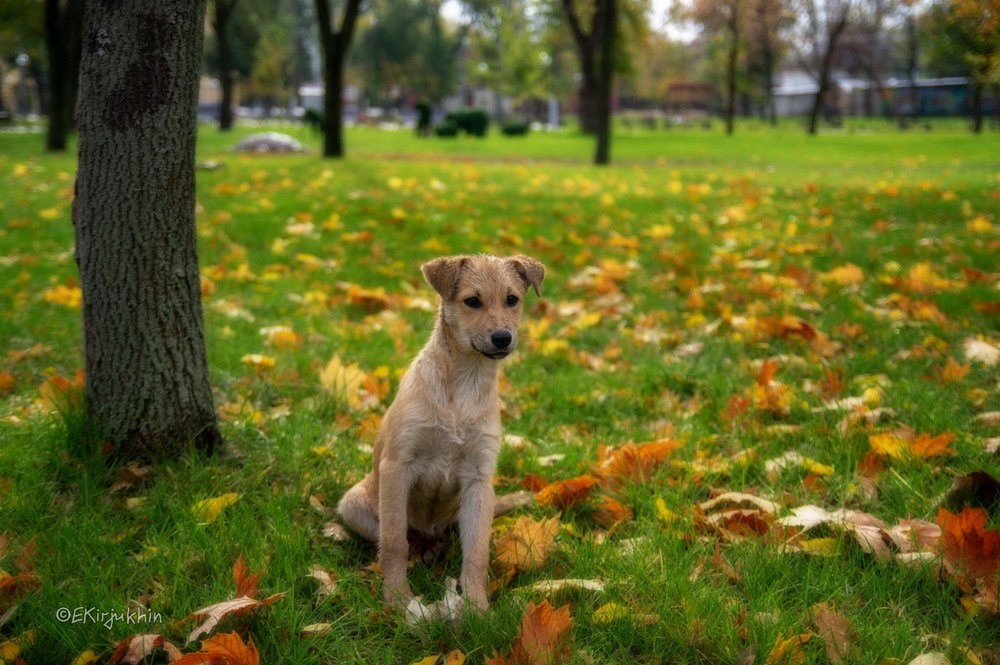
<point x="751" y="222"/>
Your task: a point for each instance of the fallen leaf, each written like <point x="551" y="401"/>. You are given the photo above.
<point x="527" y="544"/>
<point x="246" y="582"/>
<point x="213" y="614"/>
<point x="789" y="650"/>
<point x="967" y="544"/>
<point x="565" y="493"/>
<point x="11" y="649"/>
<point x="327" y="585"/>
<point x="228" y="649"/>
<point x="633" y="462"/>
<point x="981" y="351"/>
<point x="932" y="658"/>
<point x="208" y="510"/>
<point x="544" y="636"/>
<point x="836" y="632"/>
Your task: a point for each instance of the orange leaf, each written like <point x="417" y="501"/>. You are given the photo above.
<point x="228" y="649"/>
<point x="968" y="545"/>
<point x="7" y="382"/>
<point x="767" y="371"/>
<point x="543" y="640"/>
<point x="926" y="446"/>
<point x="527" y="545"/>
<point x="246" y="582"/>
<point x="610" y="512"/>
<point x="565" y="493"/>
<point x="953" y="372"/>
<point x="633" y="462"/>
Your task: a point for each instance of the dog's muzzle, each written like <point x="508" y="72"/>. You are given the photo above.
<point x="501" y="342"/>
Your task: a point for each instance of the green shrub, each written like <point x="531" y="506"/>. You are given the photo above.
<point x="447" y="129"/>
<point x="473" y="122"/>
<point x="515" y="129"/>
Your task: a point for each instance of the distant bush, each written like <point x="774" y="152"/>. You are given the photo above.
<point x="473" y="122"/>
<point x="447" y="129"/>
<point x="515" y="129"/>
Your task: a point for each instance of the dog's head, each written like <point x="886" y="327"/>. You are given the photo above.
<point x="482" y="298"/>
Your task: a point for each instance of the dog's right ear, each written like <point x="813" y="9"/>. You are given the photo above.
<point x="442" y="274"/>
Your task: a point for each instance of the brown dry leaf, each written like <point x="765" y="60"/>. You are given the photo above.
<point x="327" y="585"/>
<point x="968" y="545"/>
<point x="724" y="566"/>
<point x="610" y="512"/>
<point x="228" y="649"/>
<point x="13" y="587"/>
<point x="565" y="493"/>
<point x="135" y="649"/>
<point x="837" y="633"/>
<point x="789" y="651"/>
<point x="527" y="545"/>
<point x="213" y="614"/>
<point x="633" y="462"/>
<point x="7" y="382"/>
<point x="246" y="582"/>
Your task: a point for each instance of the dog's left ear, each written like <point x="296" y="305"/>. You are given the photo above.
<point x="442" y="274"/>
<point x="530" y="270"/>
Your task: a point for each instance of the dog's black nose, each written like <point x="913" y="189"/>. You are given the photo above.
<point x="501" y="339"/>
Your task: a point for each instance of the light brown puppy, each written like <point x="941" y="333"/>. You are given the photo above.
<point x="436" y="450"/>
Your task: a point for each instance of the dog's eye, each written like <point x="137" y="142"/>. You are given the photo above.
<point x="512" y="301"/>
<point x="473" y="302"/>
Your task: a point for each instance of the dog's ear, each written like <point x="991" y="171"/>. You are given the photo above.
<point x="530" y="270"/>
<point x="442" y="274"/>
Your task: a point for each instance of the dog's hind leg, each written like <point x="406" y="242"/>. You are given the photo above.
<point x="359" y="510"/>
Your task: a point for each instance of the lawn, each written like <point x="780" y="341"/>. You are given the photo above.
<point x="759" y="365"/>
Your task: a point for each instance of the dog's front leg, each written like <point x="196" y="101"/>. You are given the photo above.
<point x="474" y="520"/>
<point x="393" y="548"/>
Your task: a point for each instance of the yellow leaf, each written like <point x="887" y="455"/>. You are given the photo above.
<point x="610" y="612"/>
<point x="12" y="648"/>
<point x="88" y="657"/>
<point x="70" y="296"/>
<point x="666" y="515"/>
<point x="454" y="657"/>
<point x="343" y="381"/>
<point x="887" y="444"/>
<point x="846" y="275"/>
<point x="259" y="362"/>
<point x="49" y="213"/>
<point x="429" y="660"/>
<point x="207" y="510"/>
<point x="526" y="546"/>
<point x="820" y="546"/>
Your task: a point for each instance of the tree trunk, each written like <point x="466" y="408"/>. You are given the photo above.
<point x="335" y="43"/>
<point x="63" y="27"/>
<point x="826" y="65"/>
<point x="911" y="63"/>
<point x="223" y="12"/>
<point x="588" y="112"/>
<point x="977" y="105"/>
<point x="607" y="28"/>
<point x="731" y="58"/>
<point x="147" y="381"/>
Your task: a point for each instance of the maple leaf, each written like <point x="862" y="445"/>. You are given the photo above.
<point x="903" y="444"/>
<point x="610" y="512"/>
<point x="135" y="649"/>
<point x="246" y="582"/>
<point x="543" y="639"/>
<point x="953" y="372"/>
<point x="527" y="545"/>
<point x="228" y="649"/>
<point x="565" y="493"/>
<point x="58" y="393"/>
<point x="967" y="544"/>
<point x="7" y="383"/>
<point x="213" y="614"/>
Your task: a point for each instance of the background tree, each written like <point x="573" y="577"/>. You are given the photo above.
<point x="816" y="32"/>
<point x="405" y="51"/>
<point x="21" y="31"/>
<point x="727" y="21"/>
<point x="971" y="29"/>
<point x="147" y="381"/>
<point x="63" y="29"/>
<point x="765" y="48"/>
<point x="335" y="42"/>
<point x="222" y="13"/>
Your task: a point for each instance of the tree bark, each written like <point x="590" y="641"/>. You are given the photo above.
<point x="825" y="66"/>
<point x="147" y="382"/>
<point x="63" y="28"/>
<point x="220" y="23"/>
<point x="335" y="43"/>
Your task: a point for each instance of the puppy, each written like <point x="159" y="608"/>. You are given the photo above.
<point x="436" y="450"/>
